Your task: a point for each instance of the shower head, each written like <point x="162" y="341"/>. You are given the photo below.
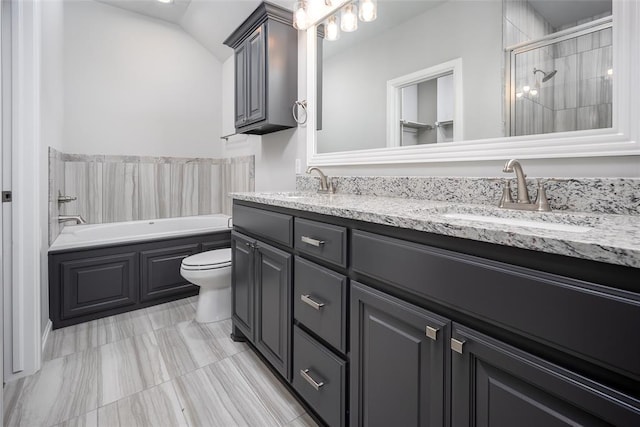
<point x="546" y="76"/>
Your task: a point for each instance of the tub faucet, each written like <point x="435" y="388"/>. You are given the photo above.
<point x="326" y="186"/>
<point x="77" y="218"/>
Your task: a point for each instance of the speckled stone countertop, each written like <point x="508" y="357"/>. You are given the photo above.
<point x="608" y="238"/>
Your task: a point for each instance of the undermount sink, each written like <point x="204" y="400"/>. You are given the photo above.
<point x="553" y="226"/>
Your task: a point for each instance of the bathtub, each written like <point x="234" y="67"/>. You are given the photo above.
<point x="87" y="235"/>
<point x="99" y="270"/>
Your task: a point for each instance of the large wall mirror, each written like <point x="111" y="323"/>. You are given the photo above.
<point x="437" y="80"/>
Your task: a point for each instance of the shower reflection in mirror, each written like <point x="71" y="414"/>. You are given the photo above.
<point x="562" y="78"/>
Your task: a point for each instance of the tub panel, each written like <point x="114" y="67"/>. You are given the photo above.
<point x="161" y="271"/>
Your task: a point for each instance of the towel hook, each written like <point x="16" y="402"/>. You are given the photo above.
<point x="303" y="105"/>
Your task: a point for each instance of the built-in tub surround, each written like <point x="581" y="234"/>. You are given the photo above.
<point x="597" y="195"/>
<point x="129" y="188"/>
<point x="613" y="239"/>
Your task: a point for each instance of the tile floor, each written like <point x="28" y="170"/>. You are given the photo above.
<point x="151" y="367"/>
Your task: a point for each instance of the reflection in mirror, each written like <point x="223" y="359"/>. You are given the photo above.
<point x="561" y="65"/>
<point x="505" y="46"/>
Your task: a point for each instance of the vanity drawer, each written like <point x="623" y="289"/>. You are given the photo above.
<point x="577" y="317"/>
<point x="324" y="241"/>
<point x="320" y="297"/>
<point x="271" y="225"/>
<point x="319" y="376"/>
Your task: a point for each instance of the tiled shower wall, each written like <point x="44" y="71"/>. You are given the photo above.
<point x="127" y="188"/>
<point x="580" y="95"/>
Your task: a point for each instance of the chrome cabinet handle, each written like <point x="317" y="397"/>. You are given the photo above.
<point x="457" y="345"/>
<point x="432" y="333"/>
<point x="315" y="304"/>
<point x="308" y="378"/>
<point x="313" y="242"/>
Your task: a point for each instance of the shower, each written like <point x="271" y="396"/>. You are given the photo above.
<point x="546" y="75"/>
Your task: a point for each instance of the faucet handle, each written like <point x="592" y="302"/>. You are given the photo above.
<point x="542" y="203"/>
<point x="506" y="192"/>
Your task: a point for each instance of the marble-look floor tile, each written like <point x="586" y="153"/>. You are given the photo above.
<point x="64" y="388"/>
<point x="304" y="420"/>
<point x="89" y="419"/>
<point x="129" y="366"/>
<point x="273" y="395"/>
<point x="72" y="339"/>
<point x="221" y="332"/>
<point x="157" y="406"/>
<point x="171" y="313"/>
<point x="125" y="325"/>
<point x="205" y="402"/>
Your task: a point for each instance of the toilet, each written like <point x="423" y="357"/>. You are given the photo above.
<point x="211" y="271"/>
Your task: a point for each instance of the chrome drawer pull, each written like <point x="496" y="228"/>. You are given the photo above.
<point x="456" y="345"/>
<point x="432" y="333"/>
<point x="313" y="242"/>
<point x="310" y="380"/>
<point x="315" y="304"/>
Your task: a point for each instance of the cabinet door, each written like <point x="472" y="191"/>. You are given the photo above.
<point x="273" y="306"/>
<point x="494" y="384"/>
<point x="161" y="272"/>
<point x="256" y="76"/>
<point x="241" y="85"/>
<point x="242" y="283"/>
<point x="398" y="375"/>
<point x="98" y="283"/>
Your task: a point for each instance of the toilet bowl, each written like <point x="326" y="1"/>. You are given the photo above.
<point x="211" y="271"/>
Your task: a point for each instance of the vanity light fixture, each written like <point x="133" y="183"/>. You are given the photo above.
<point x="332" y="28"/>
<point x="311" y="12"/>
<point x="533" y="92"/>
<point x="368" y="10"/>
<point x="610" y="72"/>
<point x="526" y="89"/>
<point x="349" y="18"/>
<point x="519" y="94"/>
<point x="165" y="1"/>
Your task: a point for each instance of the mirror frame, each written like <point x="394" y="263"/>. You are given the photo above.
<point x="620" y="140"/>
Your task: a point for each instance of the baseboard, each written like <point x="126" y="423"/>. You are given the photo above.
<point x="45" y="334"/>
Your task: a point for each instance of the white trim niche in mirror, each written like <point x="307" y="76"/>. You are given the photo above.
<point x="451" y="102"/>
<point x="622" y="139"/>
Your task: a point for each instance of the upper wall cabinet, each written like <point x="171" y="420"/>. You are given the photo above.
<point x="266" y="70"/>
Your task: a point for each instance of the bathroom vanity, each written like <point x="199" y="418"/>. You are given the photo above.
<point x="388" y="311"/>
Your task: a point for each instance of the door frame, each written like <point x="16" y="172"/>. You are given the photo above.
<point x="22" y="307"/>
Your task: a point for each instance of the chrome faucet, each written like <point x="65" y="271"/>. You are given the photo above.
<point x="326" y="186"/>
<point x="522" y="196"/>
<point x="77" y="218"/>
<point x="523" y="202"/>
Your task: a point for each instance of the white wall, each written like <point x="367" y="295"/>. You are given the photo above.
<point x="51" y="125"/>
<point x="355" y="98"/>
<point x="136" y="85"/>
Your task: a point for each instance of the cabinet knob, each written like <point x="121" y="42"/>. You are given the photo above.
<point x="304" y="373"/>
<point x="309" y="301"/>
<point x="432" y="332"/>
<point x="457" y="345"/>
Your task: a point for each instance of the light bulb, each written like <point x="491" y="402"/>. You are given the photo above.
<point x="349" y="18"/>
<point x="526" y="89"/>
<point x="331" y="29"/>
<point x="610" y="72"/>
<point x="368" y="10"/>
<point x="533" y="92"/>
<point x="300" y="16"/>
<point x="519" y="94"/>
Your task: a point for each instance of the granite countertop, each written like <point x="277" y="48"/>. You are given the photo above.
<point x="607" y="238"/>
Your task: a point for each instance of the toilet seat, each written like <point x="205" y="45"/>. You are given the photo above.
<point x="209" y="260"/>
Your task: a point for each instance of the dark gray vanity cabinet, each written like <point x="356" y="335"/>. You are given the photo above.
<point x="495" y="384"/>
<point x="398" y="361"/>
<point x="401" y="327"/>
<point x="262" y="277"/>
<point x="266" y="68"/>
